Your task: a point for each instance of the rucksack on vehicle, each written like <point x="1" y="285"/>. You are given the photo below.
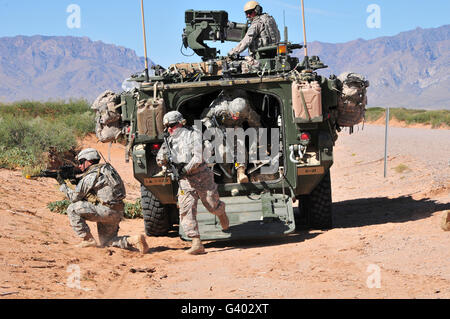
<point x="352" y="100"/>
<point x="108" y="119"/>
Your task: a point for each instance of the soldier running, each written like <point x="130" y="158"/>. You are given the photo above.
<point x="196" y="179"/>
<point x="98" y="197"/>
<point x="263" y="30"/>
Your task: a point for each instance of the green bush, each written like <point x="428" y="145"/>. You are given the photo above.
<point x="133" y="210"/>
<point x="59" y="207"/>
<point x="28" y="130"/>
<point x="434" y="118"/>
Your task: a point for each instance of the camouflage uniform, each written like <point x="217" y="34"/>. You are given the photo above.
<point x="263" y="32"/>
<point x="196" y="183"/>
<point x="233" y="103"/>
<point x="94" y="199"/>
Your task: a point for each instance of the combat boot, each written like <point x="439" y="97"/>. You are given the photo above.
<point x="224" y="221"/>
<point x="139" y="242"/>
<point x="88" y="241"/>
<point x="241" y="177"/>
<point x="197" y="247"/>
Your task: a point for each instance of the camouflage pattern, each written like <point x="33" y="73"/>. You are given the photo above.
<point x="186" y="146"/>
<point x="262" y="32"/>
<point x="198" y="181"/>
<point x="172" y="118"/>
<point x="107" y="222"/>
<point x="232" y="103"/>
<point x="89" y="154"/>
<point x="192" y="188"/>
<point x="94" y="200"/>
<point x="231" y="110"/>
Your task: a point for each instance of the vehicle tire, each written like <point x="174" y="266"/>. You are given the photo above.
<point x="316" y="207"/>
<point x="156" y="215"/>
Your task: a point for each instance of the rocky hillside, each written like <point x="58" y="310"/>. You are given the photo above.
<point x="411" y="69"/>
<point x="47" y="67"/>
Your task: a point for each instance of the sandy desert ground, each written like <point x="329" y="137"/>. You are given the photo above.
<point x="387" y="241"/>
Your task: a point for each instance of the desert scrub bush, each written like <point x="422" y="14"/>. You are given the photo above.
<point x="435" y="118"/>
<point x="28" y="130"/>
<point x="51" y="109"/>
<point x="59" y="207"/>
<point x="401" y="168"/>
<point x="374" y="113"/>
<point x="25" y="141"/>
<point x="133" y="210"/>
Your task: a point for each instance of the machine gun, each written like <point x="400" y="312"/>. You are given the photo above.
<point x="69" y="172"/>
<point x="210" y="26"/>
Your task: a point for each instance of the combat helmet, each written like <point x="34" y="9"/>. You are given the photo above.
<point x="253" y="6"/>
<point x="237" y="106"/>
<point x="88" y="154"/>
<point x="173" y="117"/>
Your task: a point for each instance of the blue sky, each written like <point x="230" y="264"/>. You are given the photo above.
<point x="118" y="21"/>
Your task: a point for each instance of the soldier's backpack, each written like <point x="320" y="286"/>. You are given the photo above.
<point x="353" y="99"/>
<point x="108" y="119"/>
<point x="115" y="190"/>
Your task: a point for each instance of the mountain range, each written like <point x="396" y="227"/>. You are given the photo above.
<point x="411" y="69"/>
<point x="53" y="67"/>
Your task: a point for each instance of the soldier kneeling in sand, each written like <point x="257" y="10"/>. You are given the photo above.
<point x="98" y="197"/>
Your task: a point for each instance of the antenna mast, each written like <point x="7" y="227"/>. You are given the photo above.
<point x="145" y="41"/>
<point x="304" y="29"/>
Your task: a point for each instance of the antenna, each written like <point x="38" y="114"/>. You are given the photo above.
<point x="304" y="29"/>
<point x="285" y="27"/>
<point x="145" y="41"/>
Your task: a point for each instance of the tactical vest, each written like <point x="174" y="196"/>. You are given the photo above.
<point x="112" y="192"/>
<point x="269" y="34"/>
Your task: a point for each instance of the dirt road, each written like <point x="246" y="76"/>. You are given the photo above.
<point x="386" y="243"/>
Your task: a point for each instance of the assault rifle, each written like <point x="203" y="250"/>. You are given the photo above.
<point x="69" y="172"/>
<point x="172" y="166"/>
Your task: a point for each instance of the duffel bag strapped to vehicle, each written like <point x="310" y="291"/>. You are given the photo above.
<point x="150" y="115"/>
<point x="209" y="68"/>
<point x="307" y="101"/>
<point x="108" y="119"/>
<point x="353" y="100"/>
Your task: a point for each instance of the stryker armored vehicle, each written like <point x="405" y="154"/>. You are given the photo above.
<point x="292" y="100"/>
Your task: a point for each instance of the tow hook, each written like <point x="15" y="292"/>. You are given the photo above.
<point x="300" y="150"/>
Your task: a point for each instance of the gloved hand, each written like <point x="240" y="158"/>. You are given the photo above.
<point x="59" y="179"/>
<point x="232" y="55"/>
<point x="207" y="122"/>
<point x="182" y="171"/>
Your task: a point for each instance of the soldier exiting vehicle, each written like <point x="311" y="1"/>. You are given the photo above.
<point x="98" y="197"/>
<point x="196" y="180"/>
<point x="263" y="30"/>
<point x="231" y="109"/>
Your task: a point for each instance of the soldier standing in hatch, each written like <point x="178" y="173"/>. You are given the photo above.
<point x="232" y="108"/>
<point x="98" y="197"/>
<point x="196" y="179"/>
<point x="263" y="30"/>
